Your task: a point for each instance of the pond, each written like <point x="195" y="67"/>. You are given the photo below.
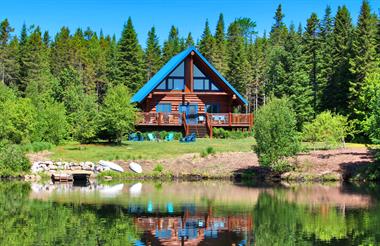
<point x="188" y="213"/>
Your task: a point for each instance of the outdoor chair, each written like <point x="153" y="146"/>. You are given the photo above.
<point x="188" y="138"/>
<point x="169" y="137"/>
<point x="151" y="137"/>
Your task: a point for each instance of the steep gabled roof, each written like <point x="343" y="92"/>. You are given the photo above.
<point x="169" y="67"/>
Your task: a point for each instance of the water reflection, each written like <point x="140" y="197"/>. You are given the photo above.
<point x="188" y="213"/>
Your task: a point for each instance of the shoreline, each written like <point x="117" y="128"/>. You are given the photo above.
<point x="345" y="164"/>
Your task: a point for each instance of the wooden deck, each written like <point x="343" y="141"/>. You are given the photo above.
<point x="213" y="119"/>
<point x="209" y="120"/>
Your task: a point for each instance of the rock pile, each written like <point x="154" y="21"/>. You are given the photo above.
<point x="51" y="167"/>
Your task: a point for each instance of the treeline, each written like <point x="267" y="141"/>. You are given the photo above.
<point x="61" y="83"/>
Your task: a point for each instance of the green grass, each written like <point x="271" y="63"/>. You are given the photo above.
<point x="146" y="150"/>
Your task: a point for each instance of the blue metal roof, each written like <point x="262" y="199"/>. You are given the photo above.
<point x="169" y="67"/>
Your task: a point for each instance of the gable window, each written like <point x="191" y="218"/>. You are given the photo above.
<point x="202" y="82"/>
<point x="212" y="108"/>
<point x="175" y="80"/>
<point x="164" y="108"/>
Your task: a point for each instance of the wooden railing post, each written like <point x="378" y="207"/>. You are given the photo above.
<point x="230" y="118"/>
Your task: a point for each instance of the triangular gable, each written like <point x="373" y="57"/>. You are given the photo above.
<point x="169" y="67"/>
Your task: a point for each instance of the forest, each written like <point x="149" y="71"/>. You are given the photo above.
<point x="77" y="85"/>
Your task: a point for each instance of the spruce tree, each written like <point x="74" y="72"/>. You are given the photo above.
<point x="34" y="59"/>
<point x="326" y="59"/>
<point x="61" y="53"/>
<point x="152" y="54"/>
<point x="9" y="67"/>
<point x="279" y="30"/>
<point x="312" y="52"/>
<point x="130" y="59"/>
<point x="300" y="90"/>
<point x="363" y="60"/>
<point x="238" y="67"/>
<point x="337" y="90"/>
<point x="220" y="54"/>
<point x="206" y="44"/>
<point x="189" y="40"/>
<point x="172" y="46"/>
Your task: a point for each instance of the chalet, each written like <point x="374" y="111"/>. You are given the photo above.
<point x="189" y="94"/>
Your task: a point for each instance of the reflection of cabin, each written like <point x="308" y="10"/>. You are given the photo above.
<point x="189" y="93"/>
<point x="191" y="227"/>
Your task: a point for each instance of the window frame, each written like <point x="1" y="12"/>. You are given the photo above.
<point x="159" y="107"/>
<point x="216" y="105"/>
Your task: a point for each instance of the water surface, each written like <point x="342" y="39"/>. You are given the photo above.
<point x="188" y="213"/>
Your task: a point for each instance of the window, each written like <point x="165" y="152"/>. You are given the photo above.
<point x="164" y="108"/>
<point x="175" y="81"/>
<point x="212" y="108"/>
<point x="202" y="82"/>
<point x="179" y="71"/>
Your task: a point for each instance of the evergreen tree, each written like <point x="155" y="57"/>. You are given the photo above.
<point x="220" y="54"/>
<point x="9" y="67"/>
<point x="336" y="94"/>
<point x="300" y="90"/>
<point x="111" y="66"/>
<point x="206" y="44"/>
<point x="326" y="59"/>
<point x="312" y="52"/>
<point x="171" y="46"/>
<point x="189" y="40"/>
<point x="363" y="60"/>
<point x="130" y="59"/>
<point x="238" y="67"/>
<point x="279" y="30"/>
<point x="61" y="52"/>
<point x="34" y="59"/>
<point x="152" y="54"/>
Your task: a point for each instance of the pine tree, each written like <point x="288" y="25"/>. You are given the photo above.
<point x="34" y="59"/>
<point x="189" y="40"/>
<point x="130" y="59"/>
<point x="220" y="54"/>
<point x="336" y="94"/>
<point x="363" y="60"/>
<point x="326" y="59"/>
<point x="152" y="54"/>
<point x="9" y="67"/>
<point x="279" y="30"/>
<point x="238" y="73"/>
<point x="61" y="52"/>
<point x="172" y="46"/>
<point x="111" y="66"/>
<point x="312" y="52"/>
<point x="206" y="44"/>
<point x="300" y="90"/>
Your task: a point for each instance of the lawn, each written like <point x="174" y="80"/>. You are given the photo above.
<point x="146" y="150"/>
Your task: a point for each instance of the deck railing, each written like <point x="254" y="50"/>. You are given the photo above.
<point x="211" y="119"/>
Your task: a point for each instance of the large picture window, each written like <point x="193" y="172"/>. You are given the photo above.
<point x="175" y="80"/>
<point x="202" y="82"/>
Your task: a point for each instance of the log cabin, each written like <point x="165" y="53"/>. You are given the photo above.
<point x="188" y="94"/>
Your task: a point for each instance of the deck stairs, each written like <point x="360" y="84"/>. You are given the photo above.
<point x="200" y="130"/>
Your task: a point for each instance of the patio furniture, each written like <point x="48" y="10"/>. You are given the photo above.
<point x="151" y="137"/>
<point x="169" y="137"/>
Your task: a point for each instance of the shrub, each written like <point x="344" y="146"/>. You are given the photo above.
<point x="208" y="151"/>
<point x="158" y="168"/>
<point x="37" y="146"/>
<point x="327" y="128"/>
<point x="276" y="135"/>
<point x="12" y="160"/>
<point x="178" y="135"/>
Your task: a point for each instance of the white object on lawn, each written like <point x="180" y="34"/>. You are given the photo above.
<point x="135" y="167"/>
<point x="111" y="165"/>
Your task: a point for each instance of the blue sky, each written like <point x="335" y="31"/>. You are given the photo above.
<point x="187" y="15"/>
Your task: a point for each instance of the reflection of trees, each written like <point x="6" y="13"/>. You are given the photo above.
<point x="280" y="222"/>
<point x="26" y="222"/>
